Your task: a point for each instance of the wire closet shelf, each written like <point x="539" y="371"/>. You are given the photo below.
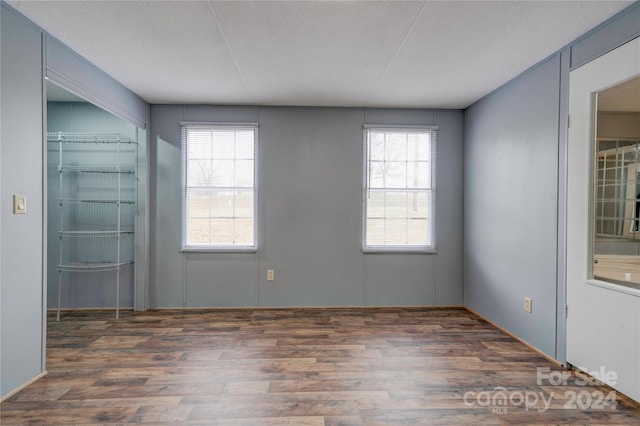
<point x="96" y="226"/>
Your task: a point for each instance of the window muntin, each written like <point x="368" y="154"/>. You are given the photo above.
<point x="219" y="187"/>
<point x="399" y="189"/>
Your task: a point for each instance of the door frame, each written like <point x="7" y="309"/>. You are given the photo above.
<point x="600" y="316"/>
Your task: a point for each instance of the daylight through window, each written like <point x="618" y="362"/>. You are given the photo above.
<point x="399" y="189"/>
<point x="219" y="188"/>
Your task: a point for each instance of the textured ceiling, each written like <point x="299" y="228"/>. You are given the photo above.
<point x="440" y="54"/>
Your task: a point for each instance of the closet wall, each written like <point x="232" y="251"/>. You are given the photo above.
<point x="87" y="289"/>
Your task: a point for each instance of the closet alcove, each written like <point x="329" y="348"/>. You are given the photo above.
<point x="92" y="177"/>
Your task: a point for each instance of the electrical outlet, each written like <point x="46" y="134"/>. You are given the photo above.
<point x="271" y="275"/>
<point x="528" y="304"/>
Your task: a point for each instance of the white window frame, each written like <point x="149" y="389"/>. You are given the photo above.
<point x="234" y="248"/>
<point x="430" y="247"/>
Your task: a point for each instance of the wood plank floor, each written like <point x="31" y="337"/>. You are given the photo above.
<point x="301" y="367"/>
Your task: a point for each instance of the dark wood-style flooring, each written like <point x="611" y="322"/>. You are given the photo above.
<point x="300" y="367"/>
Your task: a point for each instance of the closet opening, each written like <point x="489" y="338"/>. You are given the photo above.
<point x="92" y="205"/>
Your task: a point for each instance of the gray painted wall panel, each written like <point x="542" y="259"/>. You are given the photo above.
<point x="166" y="287"/>
<point x="72" y="71"/>
<point x="511" y="184"/>
<point x="310" y="177"/>
<point x="21" y="236"/>
<point x="400" y="279"/>
<point x="141" y="296"/>
<point x="226" y="281"/>
<point x="622" y="28"/>
<point x="448" y="264"/>
<point x="222" y="114"/>
<point x="311" y="162"/>
<point x="400" y="117"/>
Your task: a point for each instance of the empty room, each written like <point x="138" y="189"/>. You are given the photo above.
<point x="320" y="212"/>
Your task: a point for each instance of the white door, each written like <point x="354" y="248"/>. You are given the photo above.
<point x="603" y="322"/>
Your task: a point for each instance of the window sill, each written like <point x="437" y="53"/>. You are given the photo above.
<point x="398" y="250"/>
<point x="238" y="250"/>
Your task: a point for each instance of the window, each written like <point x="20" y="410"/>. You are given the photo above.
<point x="219" y="187"/>
<point x="399" y="189"/>
<point x="617" y="204"/>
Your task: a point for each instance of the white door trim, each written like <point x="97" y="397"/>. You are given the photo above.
<point x="603" y="326"/>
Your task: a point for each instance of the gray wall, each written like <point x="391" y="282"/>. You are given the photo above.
<point x="76" y="74"/>
<point x="21" y="236"/>
<point x="84" y="290"/>
<point x="310" y="177"/>
<point x="515" y="191"/>
<point x="511" y="179"/>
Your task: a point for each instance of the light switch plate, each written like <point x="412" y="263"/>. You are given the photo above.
<point x="19" y="204"/>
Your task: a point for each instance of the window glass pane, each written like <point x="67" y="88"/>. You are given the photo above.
<point x="377" y="174"/>
<point x="198" y="231"/>
<point x="395" y="231"/>
<point x="245" y="145"/>
<point x="376" y="147"/>
<point x="418" y="175"/>
<point x="375" y="205"/>
<point x="219" y="186"/>
<point x="198" y="203"/>
<point x="375" y="231"/>
<point x="199" y="145"/>
<point x="243" y="231"/>
<point x="244" y="173"/>
<point x="417" y="231"/>
<point x="396" y="175"/>
<point x="244" y="204"/>
<point x="396" y="205"/>
<point x="200" y="173"/>
<point x="223" y="144"/>
<point x="418" y="205"/>
<point x="397" y="159"/>
<point x="396" y="147"/>
<point x="222" y="173"/>
<point x="222" y="204"/>
<point x="222" y="231"/>
<point x="418" y="148"/>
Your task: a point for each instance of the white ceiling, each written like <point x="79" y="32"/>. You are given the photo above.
<point x="427" y="54"/>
